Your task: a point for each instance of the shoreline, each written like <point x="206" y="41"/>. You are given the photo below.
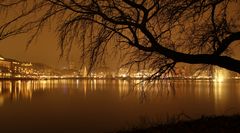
<point x="204" y="124"/>
<point x="109" y="78"/>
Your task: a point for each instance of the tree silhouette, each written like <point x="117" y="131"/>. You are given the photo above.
<point x="156" y="34"/>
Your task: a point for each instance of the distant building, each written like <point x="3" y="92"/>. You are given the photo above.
<point x="103" y="72"/>
<point x="10" y="68"/>
<point x="123" y="72"/>
<point x="83" y="72"/>
<point x="5" y="63"/>
<point x="5" y="67"/>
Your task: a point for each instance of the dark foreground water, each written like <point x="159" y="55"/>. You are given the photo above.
<point x="108" y="105"/>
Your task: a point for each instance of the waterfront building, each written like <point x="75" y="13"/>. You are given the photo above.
<point x="5" y="67"/>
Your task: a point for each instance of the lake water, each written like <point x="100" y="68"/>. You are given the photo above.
<point x="108" y="105"/>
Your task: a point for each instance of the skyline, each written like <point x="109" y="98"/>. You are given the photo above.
<point x="45" y="48"/>
<point x="114" y="65"/>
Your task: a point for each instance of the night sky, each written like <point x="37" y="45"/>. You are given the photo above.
<point x="44" y="49"/>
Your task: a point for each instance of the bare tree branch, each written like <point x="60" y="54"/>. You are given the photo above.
<point x="157" y="34"/>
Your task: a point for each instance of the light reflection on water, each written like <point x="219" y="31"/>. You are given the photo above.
<point x="107" y="105"/>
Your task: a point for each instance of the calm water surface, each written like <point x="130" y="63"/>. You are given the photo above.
<point x="108" y="105"/>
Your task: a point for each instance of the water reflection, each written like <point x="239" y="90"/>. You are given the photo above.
<point x="109" y="104"/>
<point x="24" y="89"/>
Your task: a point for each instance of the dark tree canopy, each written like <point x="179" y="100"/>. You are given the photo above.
<point x="156" y="34"/>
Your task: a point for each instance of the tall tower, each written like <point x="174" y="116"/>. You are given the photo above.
<point x="85" y="72"/>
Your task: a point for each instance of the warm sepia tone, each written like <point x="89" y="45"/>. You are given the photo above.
<point x="106" y="65"/>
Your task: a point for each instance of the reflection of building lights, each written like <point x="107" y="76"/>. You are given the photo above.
<point x="219" y="95"/>
<point x="43" y="84"/>
<point x="124" y="75"/>
<point x="85" y="87"/>
<point x="123" y="87"/>
<point x="0" y="89"/>
<point x="94" y="82"/>
<point x="1" y="101"/>
<point x="220" y="78"/>
<point x="18" y="85"/>
<point x="10" y="87"/>
<point x="28" y="87"/>
<point x="220" y="75"/>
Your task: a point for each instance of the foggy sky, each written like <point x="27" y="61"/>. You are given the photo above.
<point x="45" y="49"/>
<point x="42" y="50"/>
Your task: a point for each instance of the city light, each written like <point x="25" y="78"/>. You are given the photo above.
<point x="220" y="78"/>
<point x="26" y="70"/>
<point x="220" y="75"/>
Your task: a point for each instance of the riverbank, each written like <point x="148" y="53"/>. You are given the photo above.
<point x="210" y="124"/>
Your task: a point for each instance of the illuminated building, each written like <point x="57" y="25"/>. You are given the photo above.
<point x="10" y="68"/>
<point x="5" y="67"/>
<point x="5" y="63"/>
<point x="103" y="72"/>
<point x="123" y="72"/>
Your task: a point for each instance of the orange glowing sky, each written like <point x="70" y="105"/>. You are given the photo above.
<point x="42" y="50"/>
<point x="45" y="49"/>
